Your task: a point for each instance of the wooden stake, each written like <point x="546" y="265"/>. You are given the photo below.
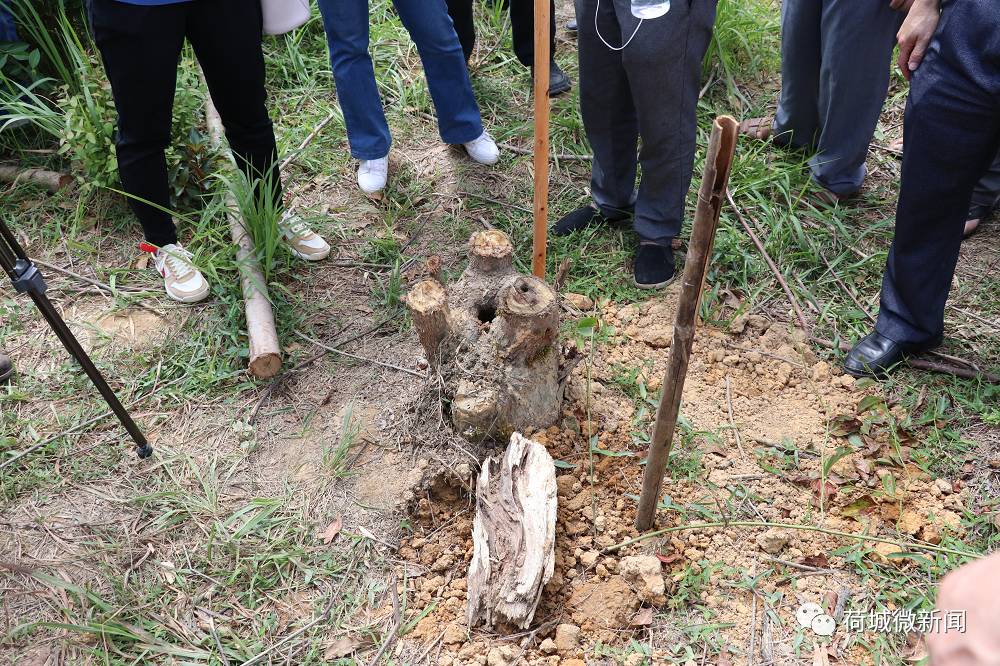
<point x="265" y="352"/>
<point x="711" y="196"/>
<point x="541" y="207"/>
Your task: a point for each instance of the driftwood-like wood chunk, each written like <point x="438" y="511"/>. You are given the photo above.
<point x="493" y="337"/>
<point x="513" y="536"/>
<point x="428" y="303"/>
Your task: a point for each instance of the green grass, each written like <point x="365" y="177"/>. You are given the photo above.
<point x="241" y="548"/>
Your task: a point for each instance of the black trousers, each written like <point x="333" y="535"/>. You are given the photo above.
<point x="522" y="22"/>
<point x="951" y="135"/>
<point x="141" y="47"/>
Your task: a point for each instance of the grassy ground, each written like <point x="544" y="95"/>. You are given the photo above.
<point x="207" y="556"/>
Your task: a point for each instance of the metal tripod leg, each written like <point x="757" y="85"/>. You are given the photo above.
<point x="28" y="280"/>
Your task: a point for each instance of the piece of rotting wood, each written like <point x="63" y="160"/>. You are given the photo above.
<point x="428" y="303"/>
<point x="265" y="351"/>
<point x="513" y="536"/>
<point x="711" y="195"/>
<point x="493" y="337"/>
<point x="53" y="181"/>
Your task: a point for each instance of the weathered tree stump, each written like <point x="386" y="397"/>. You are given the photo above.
<point x="493" y="337"/>
<point x="513" y="535"/>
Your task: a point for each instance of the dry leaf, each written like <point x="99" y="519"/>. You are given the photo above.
<point x="820" y="656"/>
<point x="643" y="618"/>
<point x="916" y="648"/>
<point x="724" y="658"/>
<point x="342" y="647"/>
<point x="332" y="530"/>
<point x="141" y="262"/>
<point x="819" y="560"/>
<point x="824" y="491"/>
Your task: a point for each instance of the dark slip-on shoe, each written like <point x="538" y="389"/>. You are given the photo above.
<point x="876" y="356"/>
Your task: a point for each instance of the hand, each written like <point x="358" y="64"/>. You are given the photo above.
<point x="901" y="5"/>
<point x="975" y="589"/>
<point x="916" y="33"/>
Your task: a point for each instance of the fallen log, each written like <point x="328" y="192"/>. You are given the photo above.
<point x="53" y="181"/>
<point x="265" y="351"/>
<point x="513" y="536"/>
<point x="492" y="336"/>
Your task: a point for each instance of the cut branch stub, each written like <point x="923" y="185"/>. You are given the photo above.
<point x="530" y="318"/>
<point x="428" y="303"/>
<point x="513" y="535"/>
<point x="490" y="252"/>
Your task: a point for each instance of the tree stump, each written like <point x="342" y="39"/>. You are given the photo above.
<point x="513" y="536"/>
<point x="493" y="337"/>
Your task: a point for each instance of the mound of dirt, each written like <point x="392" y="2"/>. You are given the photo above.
<point x="761" y="413"/>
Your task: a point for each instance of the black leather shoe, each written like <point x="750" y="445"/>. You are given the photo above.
<point x="559" y="83"/>
<point x="581" y="218"/>
<point x="6" y="367"/>
<point x="876" y="355"/>
<point x="654" y="266"/>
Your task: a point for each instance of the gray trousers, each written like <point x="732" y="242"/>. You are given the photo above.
<point x="648" y="90"/>
<point x="986" y="196"/>
<point x="835" y="60"/>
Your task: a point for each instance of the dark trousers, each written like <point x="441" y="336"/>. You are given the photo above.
<point x="952" y="134"/>
<point x="650" y="90"/>
<point x="522" y="25"/>
<point x="835" y="60"/>
<point x="141" y="47"/>
<point x="986" y="196"/>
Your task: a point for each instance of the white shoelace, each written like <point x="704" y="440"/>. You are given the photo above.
<point x="296" y="226"/>
<point x="485" y="136"/>
<point x="178" y="261"/>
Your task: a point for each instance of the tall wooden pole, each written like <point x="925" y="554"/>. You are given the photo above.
<point x="541" y="208"/>
<point x="715" y="180"/>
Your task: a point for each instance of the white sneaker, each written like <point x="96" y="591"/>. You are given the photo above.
<point x="301" y="240"/>
<point x="483" y="150"/>
<point x="182" y="281"/>
<point x="372" y="174"/>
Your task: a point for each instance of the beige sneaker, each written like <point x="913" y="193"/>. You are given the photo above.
<point x="182" y="281"/>
<point x="301" y="240"/>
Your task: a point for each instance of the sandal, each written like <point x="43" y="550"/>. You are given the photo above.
<point x="757" y="128"/>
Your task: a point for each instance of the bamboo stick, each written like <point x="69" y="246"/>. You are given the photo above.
<point x="541" y="202"/>
<point x="711" y="196"/>
<point x="265" y="351"/>
<point x="53" y="181"/>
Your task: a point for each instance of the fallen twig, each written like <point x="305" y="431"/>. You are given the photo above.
<point x="770" y="262"/>
<point x="732" y="421"/>
<point x="90" y="281"/>
<point x="555" y="156"/>
<point x="355" y="356"/>
<point x="309" y="139"/>
<point x="793" y="526"/>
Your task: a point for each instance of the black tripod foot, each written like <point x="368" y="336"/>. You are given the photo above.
<point x="144" y="451"/>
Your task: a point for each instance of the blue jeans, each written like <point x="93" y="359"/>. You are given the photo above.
<point x="951" y="134"/>
<point x="346" y="23"/>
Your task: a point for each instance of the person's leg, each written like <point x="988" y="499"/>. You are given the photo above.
<point x="346" y="24"/>
<point x="8" y="31"/>
<point x="857" y="41"/>
<point x="444" y="66"/>
<point x="796" y="122"/>
<point x="986" y="196"/>
<point x="233" y="63"/>
<point x="461" y="15"/>
<point x="140" y="47"/>
<point x="951" y="132"/>
<point x="663" y="64"/>
<point x="522" y="27"/>
<point x="609" y="115"/>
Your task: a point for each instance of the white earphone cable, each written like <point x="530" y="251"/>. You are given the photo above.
<point x="597" y="13"/>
